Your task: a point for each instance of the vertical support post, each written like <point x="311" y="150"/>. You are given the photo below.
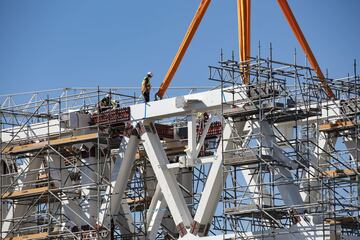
<point x="191" y="150"/>
<point x="202" y="138"/>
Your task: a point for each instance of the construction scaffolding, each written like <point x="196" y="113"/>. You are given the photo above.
<point x="285" y="169"/>
<point x="274" y="159"/>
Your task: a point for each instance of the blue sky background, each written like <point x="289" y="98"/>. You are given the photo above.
<point x="85" y="43"/>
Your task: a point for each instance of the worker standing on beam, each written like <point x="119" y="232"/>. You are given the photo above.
<point x="146" y="86"/>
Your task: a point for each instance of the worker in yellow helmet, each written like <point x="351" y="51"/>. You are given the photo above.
<point x="146" y="86"/>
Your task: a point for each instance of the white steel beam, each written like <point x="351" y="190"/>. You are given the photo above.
<point x="115" y="205"/>
<point x="167" y="181"/>
<point x="266" y="138"/>
<point x="324" y="144"/>
<point x="258" y="192"/>
<point x="203" y="136"/>
<point x="192" y="135"/>
<point x="353" y="146"/>
<point x="155" y="213"/>
<point x="283" y="179"/>
<point x="60" y="178"/>
<point x="88" y="189"/>
<point x="158" y="205"/>
<point x="127" y="160"/>
<point x="316" y="232"/>
<point x="28" y="175"/>
<point x="182" y="105"/>
<point x="212" y="189"/>
<point x="125" y="219"/>
<point x="170" y="107"/>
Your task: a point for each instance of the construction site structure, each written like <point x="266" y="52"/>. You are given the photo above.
<point x="273" y="159"/>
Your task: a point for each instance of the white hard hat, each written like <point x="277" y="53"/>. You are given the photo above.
<point x="150" y="74"/>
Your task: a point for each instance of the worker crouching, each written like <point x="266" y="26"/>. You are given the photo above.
<point x="107" y="103"/>
<point x="146" y="87"/>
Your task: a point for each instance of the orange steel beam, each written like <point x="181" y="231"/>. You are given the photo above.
<point x="305" y="46"/>
<point x="247" y="31"/>
<point x="183" y="47"/>
<point x="240" y="27"/>
<point x="244" y="37"/>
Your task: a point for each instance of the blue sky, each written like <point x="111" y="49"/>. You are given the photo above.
<point x="85" y="43"/>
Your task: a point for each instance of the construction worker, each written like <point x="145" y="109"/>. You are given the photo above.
<point x="115" y="103"/>
<point x="104" y="103"/>
<point x="146" y="86"/>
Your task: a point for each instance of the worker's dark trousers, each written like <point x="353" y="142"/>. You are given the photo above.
<point x="146" y="96"/>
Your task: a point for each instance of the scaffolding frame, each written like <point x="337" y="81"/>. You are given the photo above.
<point x="283" y="138"/>
<point x="279" y="94"/>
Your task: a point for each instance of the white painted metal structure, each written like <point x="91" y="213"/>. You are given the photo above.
<point x="79" y="194"/>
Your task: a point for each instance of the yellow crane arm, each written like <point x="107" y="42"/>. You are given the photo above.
<point x="305" y="46"/>
<point x="183" y="47"/>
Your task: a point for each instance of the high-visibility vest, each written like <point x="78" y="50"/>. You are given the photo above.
<point x="105" y="102"/>
<point x="145" y="85"/>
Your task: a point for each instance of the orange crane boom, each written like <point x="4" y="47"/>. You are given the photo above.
<point x="244" y="37"/>
<point x="183" y="47"/>
<point x="243" y="8"/>
<point x="305" y="46"/>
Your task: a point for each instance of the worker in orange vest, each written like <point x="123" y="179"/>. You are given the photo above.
<point x="146" y="86"/>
